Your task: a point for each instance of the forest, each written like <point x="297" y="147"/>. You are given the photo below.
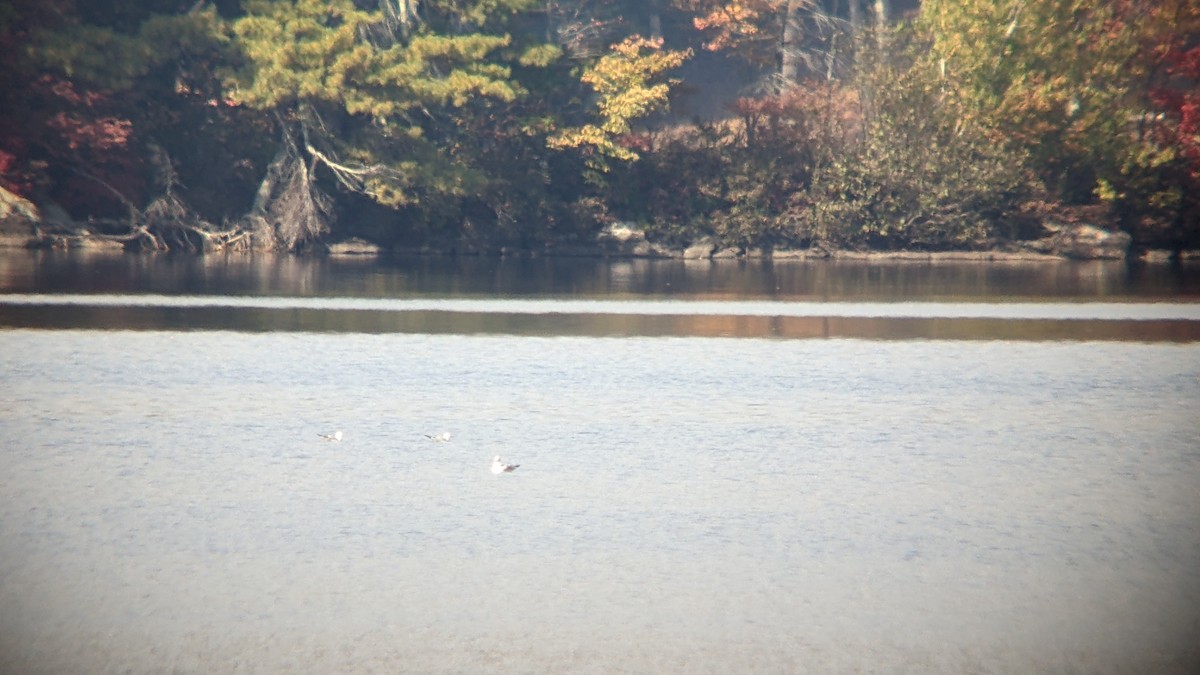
<point x="472" y="125"/>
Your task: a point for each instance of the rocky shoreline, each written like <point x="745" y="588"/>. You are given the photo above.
<point x="625" y="240"/>
<point x="22" y="226"/>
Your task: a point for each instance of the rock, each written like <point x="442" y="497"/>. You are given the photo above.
<point x="1084" y="242"/>
<point x="19" y="219"/>
<point x="702" y="249"/>
<point x="1088" y="242"/>
<point x="726" y="254"/>
<point x="621" y="233"/>
<point x="24" y="225"/>
<point x="354" y="246"/>
<point x="623" y="239"/>
<point x="1156" y="256"/>
<point x="646" y="249"/>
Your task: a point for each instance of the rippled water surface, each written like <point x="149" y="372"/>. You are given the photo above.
<point x="685" y="502"/>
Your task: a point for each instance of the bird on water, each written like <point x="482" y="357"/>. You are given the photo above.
<point x="499" y="467"/>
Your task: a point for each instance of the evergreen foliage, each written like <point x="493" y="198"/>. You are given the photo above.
<point x="106" y="57"/>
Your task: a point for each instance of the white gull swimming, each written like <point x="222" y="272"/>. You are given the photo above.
<point x="336" y="436"/>
<point x="499" y="467"/>
<point x="443" y="437"/>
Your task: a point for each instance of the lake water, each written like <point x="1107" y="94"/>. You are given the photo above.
<point x="730" y="467"/>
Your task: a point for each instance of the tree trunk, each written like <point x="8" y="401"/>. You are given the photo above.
<point x="289" y="209"/>
<point x="403" y="13"/>
<point x="793" y="32"/>
<point x="654" y="18"/>
<point x="881" y="25"/>
<point x="855" y="29"/>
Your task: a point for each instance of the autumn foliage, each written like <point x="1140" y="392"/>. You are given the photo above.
<point x="1182" y="107"/>
<point x="732" y="24"/>
<point x="487" y="122"/>
<point x="629" y="84"/>
<point x="75" y="146"/>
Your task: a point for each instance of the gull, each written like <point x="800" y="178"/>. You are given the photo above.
<point x="336" y="436"/>
<point x="443" y="437"/>
<point x="499" y="467"/>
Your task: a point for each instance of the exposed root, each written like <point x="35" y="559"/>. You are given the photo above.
<point x="289" y="207"/>
<point x="166" y="224"/>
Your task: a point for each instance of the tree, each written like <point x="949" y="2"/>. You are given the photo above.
<point x="1158" y="187"/>
<point x="791" y="39"/>
<point x="916" y="177"/>
<point x="1068" y="82"/>
<point x="625" y="83"/>
<point x="1050" y="75"/>
<point x="396" y="115"/>
<point x="100" y="91"/>
<point x="583" y="29"/>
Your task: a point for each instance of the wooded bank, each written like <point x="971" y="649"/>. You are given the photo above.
<point x="813" y="127"/>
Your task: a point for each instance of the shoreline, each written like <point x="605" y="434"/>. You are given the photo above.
<point x="22" y="226"/>
<point x="89" y="244"/>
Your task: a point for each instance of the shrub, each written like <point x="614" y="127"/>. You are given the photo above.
<point x="919" y="177"/>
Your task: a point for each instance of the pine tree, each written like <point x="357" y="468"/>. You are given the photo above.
<point x="397" y="115"/>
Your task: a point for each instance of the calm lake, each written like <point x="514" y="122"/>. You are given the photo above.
<point x="724" y="467"/>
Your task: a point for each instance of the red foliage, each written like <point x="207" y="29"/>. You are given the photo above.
<point x="821" y="113"/>
<point x="13" y="176"/>
<point x="1180" y="104"/>
<point x="638" y="142"/>
<point x="1176" y="98"/>
<point x="103" y="133"/>
<point x="65" y="90"/>
<point x="71" y="146"/>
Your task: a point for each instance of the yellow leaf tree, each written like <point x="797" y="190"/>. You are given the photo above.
<point x="628" y="84"/>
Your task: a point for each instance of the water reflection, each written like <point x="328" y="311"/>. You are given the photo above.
<point x="596" y="324"/>
<point x="432" y="276"/>
<point x="597" y="297"/>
